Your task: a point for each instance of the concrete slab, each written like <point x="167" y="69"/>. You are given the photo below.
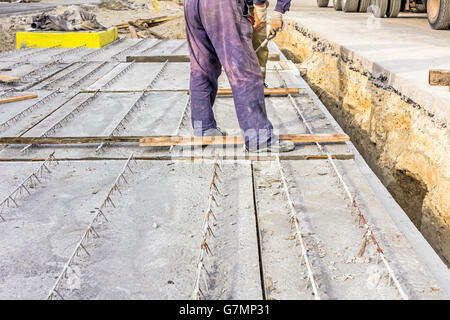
<point x="339" y="272"/>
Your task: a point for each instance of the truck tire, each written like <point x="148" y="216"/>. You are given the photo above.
<point x="350" y="5"/>
<point x="337" y="5"/>
<point x="438" y="12"/>
<point x="393" y="8"/>
<point x="363" y="5"/>
<point x="379" y="8"/>
<point x="322" y="3"/>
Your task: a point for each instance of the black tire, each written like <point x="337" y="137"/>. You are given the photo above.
<point x="337" y="5"/>
<point x="438" y="12"/>
<point x="379" y="8"/>
<point x="322" y="3"/>
<point x="363" y="5"/>
<point x="350" y="5"/>
<point x="393" y="8"/>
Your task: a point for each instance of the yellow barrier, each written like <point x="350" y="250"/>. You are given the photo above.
<point x="89" y="39"/>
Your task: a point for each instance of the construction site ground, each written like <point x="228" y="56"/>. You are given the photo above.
<point x="143" y="209"/>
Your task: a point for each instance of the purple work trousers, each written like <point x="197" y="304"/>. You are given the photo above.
<point x="219" y="34"/>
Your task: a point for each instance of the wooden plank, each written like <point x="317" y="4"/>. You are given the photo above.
<point x="132" y="32"/>
<point x="175" y="58"/>
<point x="7" y="79"/>
<point x="171" y="58"/>
<point x="18" y="98"/>
<point x="439" y="77"/>
<point x="169" y="140"/>
<point x="234" y="140"/>
<point x="267" y="91"/>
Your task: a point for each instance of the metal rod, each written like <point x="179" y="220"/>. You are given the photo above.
<point x="119" y="75"/>
<point x="68" y="75"/>
<point x="205" y="250"/>
<point x="77" y="83"/>
<point x="103" y="49"/>
<point x="54" y="291"/>
<point x="13" y="196"/>
<point x="298" y="234"/>
<point x="66" y="118"/>
<point x="118" y="55"/>
<point x="59" y="57"/>
<point x="180" y="122"/>
<point x="31" y="108"/>
<point x="135" y="106"/>
<point x="352" y="200"/>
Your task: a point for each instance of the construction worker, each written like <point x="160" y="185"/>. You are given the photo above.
<point x="258" y="13"/>
<point x="219" y="34"/>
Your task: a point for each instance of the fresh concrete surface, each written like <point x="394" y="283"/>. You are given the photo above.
<point x="404" y="48"/>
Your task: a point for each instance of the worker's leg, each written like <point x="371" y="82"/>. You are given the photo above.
<point x="230" y="33"/>
<point x="205" y="70"/>
<point x="263" y="53"/>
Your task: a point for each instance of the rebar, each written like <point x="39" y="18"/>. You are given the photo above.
<point x="30" y="181"/>
<point x="119" y="75"/>
<point x="68" y="75"/>
<point x="103" y="49"/>
<point x="90" y="231"/>
<point x="36" y="52"/>
<point x="30" y="109"/>
<point x="180" y="122"/>
<point x="49" y="65"/>
<point x="295" y="221"/>
<point x="158" y="43"/>
<point x="77" y="83"/>
<point x="66" y="118"/>
<point x="205" y="249"/>
<point x="368" y="229"/>
<point x="135" y="46"/>
<point x="59" y="57"/>
<point x="158" y="75"/>
<point x="121" y="125"/>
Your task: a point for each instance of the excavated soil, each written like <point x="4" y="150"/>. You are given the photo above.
<point x="406" y="146"/>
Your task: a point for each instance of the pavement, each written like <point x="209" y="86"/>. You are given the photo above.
<point x="404" y="48"/>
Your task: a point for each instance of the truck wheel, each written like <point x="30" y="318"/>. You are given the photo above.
<point x="438" y="12"/>
<point x="363" y="5"/>
<point x="393" y="8"/>
<point x="379" y="8"/>
<point x="337" y="5"/>
<point x="322" y="3"/>
<point x="350" y="5"/>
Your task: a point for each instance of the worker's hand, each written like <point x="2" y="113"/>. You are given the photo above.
<point x="276" y="23"/>
<point x="260" y="13"/>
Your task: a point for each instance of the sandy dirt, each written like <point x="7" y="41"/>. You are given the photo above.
<point x="108" y="14"/>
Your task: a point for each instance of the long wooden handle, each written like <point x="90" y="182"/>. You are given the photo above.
<point x="233" y="140"/>
<point x="159" y="141"/>
<point x="267" y="91"/>
<point x="18" y="98"/>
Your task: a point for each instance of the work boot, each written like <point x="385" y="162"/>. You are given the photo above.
<point x="214" y="132"/>
<point x="276" y="146"/>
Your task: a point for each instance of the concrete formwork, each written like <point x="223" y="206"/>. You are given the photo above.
<point x="148" y="246"/>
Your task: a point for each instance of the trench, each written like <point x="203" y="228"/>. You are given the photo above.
<point x="381" y="123"/>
